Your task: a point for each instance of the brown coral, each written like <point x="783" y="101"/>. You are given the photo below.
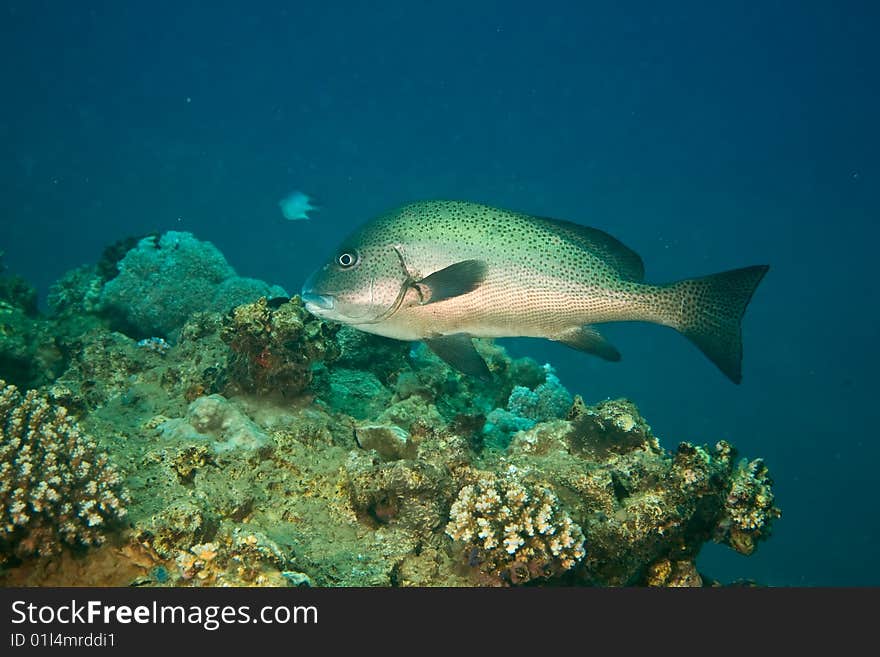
<point x="748" y="508"/>
<point x="274" y="348"/>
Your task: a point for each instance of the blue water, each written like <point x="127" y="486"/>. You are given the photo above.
<point x="706" y="136"/>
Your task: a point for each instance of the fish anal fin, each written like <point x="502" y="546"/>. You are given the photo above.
<point x="452" y="281"/>
<point x="587" y="338"/>
<point x="458" y="350"/>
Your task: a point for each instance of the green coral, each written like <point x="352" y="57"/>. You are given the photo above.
<point x="77" y="292"/>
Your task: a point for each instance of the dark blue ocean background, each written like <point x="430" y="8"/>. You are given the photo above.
<point x="705" y="135"/>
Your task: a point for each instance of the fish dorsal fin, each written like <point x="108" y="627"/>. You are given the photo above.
<point x="458" y="350"/>
<point x="452" y="281"/>
<point x="626" y="262"/>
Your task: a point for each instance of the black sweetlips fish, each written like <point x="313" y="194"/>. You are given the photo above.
<point x="447" y="271"/>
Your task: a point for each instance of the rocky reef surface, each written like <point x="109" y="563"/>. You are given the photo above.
<point x="234" y="439"/>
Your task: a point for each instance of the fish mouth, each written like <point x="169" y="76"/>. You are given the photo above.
<point x="315" y="301"/>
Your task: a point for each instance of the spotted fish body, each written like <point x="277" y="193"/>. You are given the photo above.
<point x="446" y="271"/>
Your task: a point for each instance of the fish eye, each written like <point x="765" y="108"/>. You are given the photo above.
<point x="347" y="259"/>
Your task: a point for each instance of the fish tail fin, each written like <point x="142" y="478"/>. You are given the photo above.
<point x="710" y="311"/>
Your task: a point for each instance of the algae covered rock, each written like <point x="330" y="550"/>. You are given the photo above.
<point x="674" y="574"/>
<point x="276" y="346"/>
<point x="216" y="421"/>
<point x="356" y="393"/>
<point x="383" y="357"/>
<point x="636" y="503"/>
<point x="390" y="441"/>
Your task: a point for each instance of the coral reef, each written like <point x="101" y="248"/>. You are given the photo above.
<point x="238" y="558"/>
<point x="526" y="407"/>
<point x="108" y="265"/>
<point x="673" y="574"/>
<point x="78" y="292"/>
<point x="636" y="504"/>
<point x="515" y="529"/>
<point x="274" y="349"/>
<point x="407" y="495"/>
<point x="31" y="354"/>
<point x="55" y="486"/>
<point x="32" y="348"/>
<point x="263" y="446"/>
<point x="748" y="508"/>
<point x="384" y="358"/>
<point x="164" y="279"/>
<point x="15" y="292"/>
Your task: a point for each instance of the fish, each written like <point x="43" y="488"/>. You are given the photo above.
<point x="296" y="205"/>
<point x="445" y="272"/>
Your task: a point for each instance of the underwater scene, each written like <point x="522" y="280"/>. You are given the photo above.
<point x="467" y="294"/>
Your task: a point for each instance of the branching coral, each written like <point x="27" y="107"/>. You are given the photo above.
<point x="55" y="486"/>
<point x="516" y="529"/>
<point x="526" y="407"/>
<point x="548" y="401"/>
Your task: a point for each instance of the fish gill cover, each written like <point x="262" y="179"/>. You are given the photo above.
<point x="251" y="443"/>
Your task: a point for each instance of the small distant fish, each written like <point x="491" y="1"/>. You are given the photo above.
<point x="447" y="271"/>
<point x="296" y="205"/>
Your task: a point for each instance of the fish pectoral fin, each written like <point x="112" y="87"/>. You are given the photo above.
<point x="458" y="350"/>
<point x="586" y="338"/>
<point x="451" y="281"/>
